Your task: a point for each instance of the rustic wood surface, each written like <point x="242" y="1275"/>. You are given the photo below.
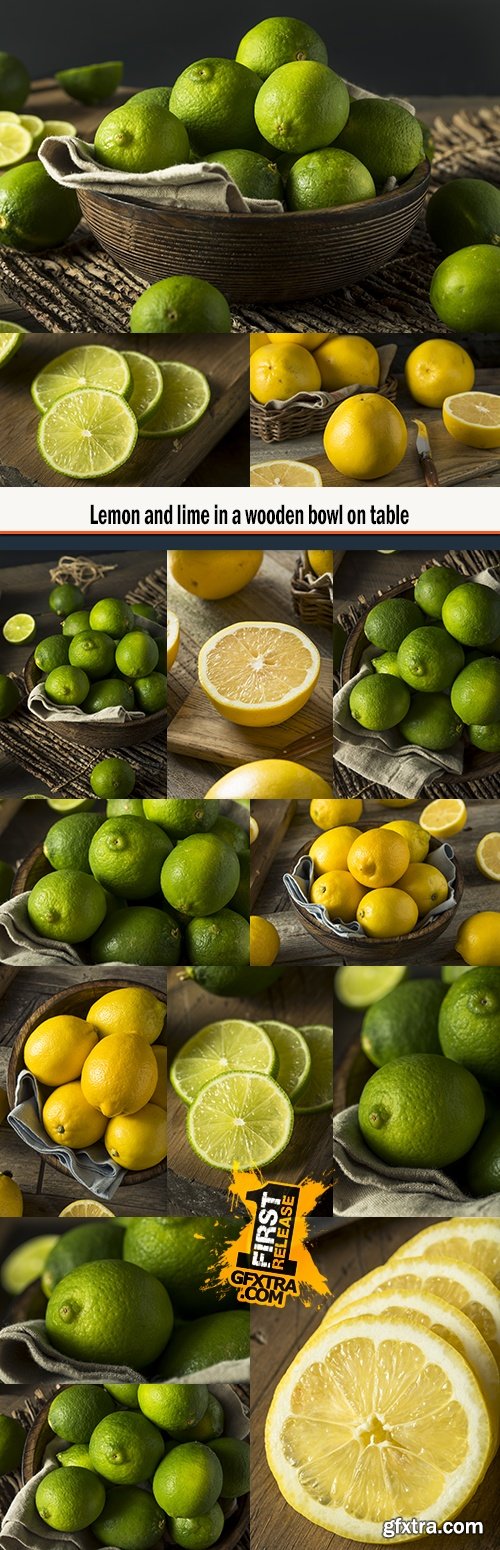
<point x="343" y="1256"/>
<point x="294" y="999"/>
<point x="198" y="726"/>
<point x="479" y="893"/>
<point x="268" y="596"/>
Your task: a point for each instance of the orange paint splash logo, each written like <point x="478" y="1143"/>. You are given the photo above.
<point x="270" y="1260"/>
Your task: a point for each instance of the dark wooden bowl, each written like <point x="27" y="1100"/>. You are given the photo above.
<point x="41" y="1434"/>
<point x="76" y="1001"/>
<point x="251" y="258"/>
<point x="93" y="734"/>
<point x="391" y="949"/>
<point x="476" y="763"/>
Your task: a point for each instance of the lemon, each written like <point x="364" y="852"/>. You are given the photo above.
<point x="280" y="473"/>
<point x="84" y="1208"/>
<point x="173" y="637"/>
<point x="231" y="1044"/>
<point x="468" y="1239"/>
<point x="456" y="1281"/>
<point x="69" y="1120"/>
<point x="15" y="144"/>
<point x="444" y="817"/>
<point x="91" y="83"/>
<point x="264" y="941"/>
<point x="11" y="1200"/>
<point x="331" y="849"/>
<point x="159" y="1095"/>
<point x="272" y="778"/>
<point x="132" y="1010"/>
<point x="278" y="40"/>
<point x="242" y="1119"/>
<point x="181" y="304"/>
<point x="425" y="884"/>
<point x="307" y="341"/>
<point x="478" y="940"/>
<point x="378" y="858"/>
<point x="87" y="434"/>
<point x="338" y="892"/>
<point x="278" y="371"/>
<point x="340" y="811"/>
<point x="326" y="179"/>
<point x="140" y="137"/>
<point x="473" y="418"/>
<point x="184" y="401"/>
<point x="435" y="368"/>
<point x="56" y="1050"/>
<point x="417" y="840"/>
<point x="214" y="98"/>
<point x="302" y="107"/>
<point x="212" y="574"/>
<point x="258" y="674"/>
<point x="366" y="437"/>
<point x="146" y="384"/>
<point x="138" y="1140"/>
<point x="120" y="1074"/>
<point x="348" y="359"/>
<point x="254" y="830"/>
<point x="321" y="561"/>
<point x="488" y="856"/>
<point x="11" y="336"/>
<point x="88" y="365"/>
<point x="387" y="912"/>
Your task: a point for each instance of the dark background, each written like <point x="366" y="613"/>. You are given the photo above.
<point x="449" y="47"/>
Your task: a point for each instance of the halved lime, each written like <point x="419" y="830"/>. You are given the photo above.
<point x="19" y="629"/>
<point x="26" y="1263"/>
<point x="242" y="1119"/>
<point x="363" y="984"/>
<point x="317" y="1094"/>
<point x="87" y="365"/>
<point x="451" y="972"/>
<point x="91" y="83"/>
<point x="15" y="144"/>
<point x="33" y="124"/>
<point x="70" y="804"/>
<point x="88" y="434"/>
<point x="57" y="126"/>
<point x="8" y="117"/>
<point x="293" y="1055"/>
<point x="147" y="384"/>
<point x="229" y="1045"/>
<point x="185" y="399"/>
<point x="11" y="336"/>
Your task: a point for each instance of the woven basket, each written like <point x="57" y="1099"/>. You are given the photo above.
<point x="312" y="595"/>
<point x="294" y="420"/>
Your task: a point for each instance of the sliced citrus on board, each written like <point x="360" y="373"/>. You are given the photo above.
<point x="88" y="434"/>
<point x="258" y="673"/>
<point x="229" y="1045"/>
<point x="283" y="472"/>
<point x="87" y="365"/>
<point x="242" y="1119"/>
<point x="184" y="401"/>
<point x="147" y="384"/>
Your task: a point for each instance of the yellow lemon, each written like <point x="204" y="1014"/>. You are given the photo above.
<point x="56" y="1051"/>
<point x="69" y="1119"/>
<point x="308" y="341"/>
<point x="425" y="884"/>
<point x="138" y="1140"/>
<point x="435" y="368"/>
<point x="396" y="801"/>
<point x="366" y="437"/>
<point x="133" y="1009"/>
<point x="321" y="561"/>
<point x="342" y="810"/>
<point x="278" y="371"/>
<point x="444" y="817"/>
<point x="86" y="1208"/>
<point x="378" y="858"/>
<point x="120" y="1074"/>
<point x="264" y="941"/>
<point x="214" y="573"/>
<point x="173" y="637"/>
<point x="11" y="1200"/>
<point x="272" y="778"/>
<point x="346" y="361"/>
<point x="473" y="418"/>
<point x="488" y="856"/>
<point x="386" y="912"/>
<point x="330" y="851"/>
<point x="284" y="472"/>
<point x="417" y="842"/>
<point x="478" y="940"/>
<point x="254" y="830"/>
<point x="256" y="342"/>
<point x="339" y="893"/>
<point x="160" y="1093"/>
<point x="258" y="674"/>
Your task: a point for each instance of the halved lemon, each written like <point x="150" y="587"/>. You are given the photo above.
<point x="254" y="830"/>
<point x="488" y="856"/>
<point x="473" y="418"/>
<point x="257" y="673"/>
<point x="453" y="1280"/>
<point x="173" y="637"/>
<point x="377" y="1418"/>
<point x="444" y="817"/>
<point x="86" y="1208"/>
<point x="283" y="471"/>
<point x="470" y="1239"/>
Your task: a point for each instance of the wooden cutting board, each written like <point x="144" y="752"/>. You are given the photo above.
<point x="273" y="818"/>
<point x="155" y="461"/>
<point x="200" y="733"/>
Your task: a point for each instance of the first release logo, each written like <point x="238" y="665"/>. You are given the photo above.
<point x="270" y="1260"/>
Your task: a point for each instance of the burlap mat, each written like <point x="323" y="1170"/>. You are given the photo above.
<point x="78" y="288"/>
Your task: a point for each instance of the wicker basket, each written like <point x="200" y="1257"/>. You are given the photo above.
<point x="313" y="595"/>
<point x="395" y="949"/>
<point x="294" y="420"/>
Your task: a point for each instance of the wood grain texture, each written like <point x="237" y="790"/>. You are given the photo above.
<point x="198" y="727"/>
<point x="343" y="1256"/>
<point x="274" y="820"/>
<point x="156" y="461"/>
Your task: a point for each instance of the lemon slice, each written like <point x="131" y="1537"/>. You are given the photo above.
<point x="87" y="365"/>
<point x="281" y="472"/>
<point x="469" y="1239"/>
<point x="488" y="856"/>
<point x="229" y="1045"/>
<point x="173" y="637"/>
<point x="19" y="629"/>
<point x="88" y="434"/>
<point x="15" y="144"/>
<point x="293" y="1054"/>
<point x="185" y="399"/>
<point x="377" y="1418"/>
<point x="444" y="817"/>
<point x="258" y="673"/>
<point x="147" y="384"/>
<point x="473" y="418"/>
<point x="359" y="986"/>
<point x="456" y="1282"/>
<point x="242" y="1119"/>
<point x="254" y="830"/>
<point x="86" y="1208"/>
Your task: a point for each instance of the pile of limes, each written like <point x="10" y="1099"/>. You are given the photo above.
<point x="104" y="656"/>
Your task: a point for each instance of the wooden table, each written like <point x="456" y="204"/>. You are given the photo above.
<point x="343" y="1256"/>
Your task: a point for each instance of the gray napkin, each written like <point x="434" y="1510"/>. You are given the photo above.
<point x="44" y="709"/>
<point x="298" y="887"/>
<point x="323" y="400"/>
<point x="25" y="1351"/>
<point x="364" y="1185"/>
<point x="187" y="186"/>
<point x="21" y="946"/>
<point x="93" y="1168"/>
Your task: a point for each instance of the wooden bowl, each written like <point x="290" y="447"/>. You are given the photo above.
<point x="391" y="949"/>
<point x="285" y="257"/>
<point x="476" y="763"/>
<point x="76" y="1002"/>
<point x="99" y="734"/>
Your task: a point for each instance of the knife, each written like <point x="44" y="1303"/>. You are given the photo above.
<point x="424" y="454"/>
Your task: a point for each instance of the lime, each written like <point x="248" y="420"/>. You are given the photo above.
<point x="151" y="693"/>
<point x="35" y="212"/>
<point x="469" y="1024"/>
<point x="70" y="804"/>
<point x="125" y="1447"/>
<point x="186" y="396"/>
<point x="110" y="1313"/>
<point x="465" y="290"/>
<point x="97" y="1240"/>
<point x="181" y="1251"/>
<point x="230" y="1045"/>
<point x="14" y="83"/>
<point x="75" y="622"/>
<point x="112" y="778"/>
<point x="365" y="984"/>
<point x="66" y="906"/>
<point x="147" y="389"/>
<point x="76" y="1410"/>
<point x="181" y="304"/>
<point x="127" y="855"/>
<point x="188" y="1480"/>
<point x="233" y="833"/>
<point x="204" y="1342"/>
<point x="25" y="1264"/>
<point x="485" y="737"/>
<point x="76" y="1457"/>
<point x="19" y="629"/>
<point x="220" y="939"/>
<point x="161" y="94"/>
<point x="91" y="83"/>
<point x="211" y="1425"/>
<point x="294" y="1058"/>
<point x="475" y="695"/>
<point x="390" y="621"/>
<point x="88" y="365"/>
<point x="482" y="1164"/>
<point x="317" y="1094"/>
<point x="140" y="137"/>
<point x="132" y="807"/>
<point x="429" y="659"/>
<point x="421" y="1111"/>
<point x="256" y="176"/>
<point x="15" y="144"/>
<point x="10" y="697"/>
<point x="279" y="40"/>
<point x="471" y="613"/>
<point x="67" y="685"/>
<point x="65" y="598"/>
<point x="113" y="616"/>
<point x="142" y="936"/>
<point x="215" y="99"/>
<point x="200" y="1532"/>
<point x="302" y="107"/>
<point x="323" y="179"/>
<point x="387" y="663"/>
<point x="385" y="136"/>
<point x="379" y="701"/>
<point x="6" y="880"/>
<point x="463" y="212"/>
<point x="136" y="654"/>
<point x="87" y="434"/>
<point x="11" y="336"/>
<point x="34" y="125"/>
<point x="57" y="127"/>
<point x="12" y="1440"/>
<point x="431" y="722"/>
<point x="200" y="875"/>
<point x="241" y="1119"/>
<point x="229" y="980"/>
<point x="403" y="1022"/>
<point x="51" y="652"/>
<point x="130" y="1520"/>
<point x="450" y="973"/>
<point x="69" y="1499"/>
<point x="234" y="1455"/>
<point x="93" y="651"/>
<point x="181" y="816"/>
<point x="143" y="610"/>
<point x="7" y="117"/>
<point x="66" y="843"/>
<point x="173" y="1406"/>
<point x="124" y="1393"/>
<point x="107" y="692"/>
<point x="432" y="588"/>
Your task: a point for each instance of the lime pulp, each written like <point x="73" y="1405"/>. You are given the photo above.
<point x="185" y="399"/>
<point x="229" y="1045"/>
<point x="88" y="365"/>
<point x="87" y="434"/>
<point x="293" y="1055"/>
<point x="242" y="1119"/>
<point x="317" y="1094"/>
<point x="19" y="629"/>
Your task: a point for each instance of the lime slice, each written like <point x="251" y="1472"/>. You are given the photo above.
<point x="86" y="1208"/>
<point x="242" y="1119"/>
<point x="293" y="1055"/>
<point x="88" y="365"/>
<point x="57" y="126"/>
<point x="25" y="1264"/>
<point x="229" y="1045"/>
<point x="91" y="83"/>
<point x="186" y="396"/>
<point x="15" y="144"/>
<point x="88" y="434"/>
<point x="361" y="986"/>
<point x="70" y="804"/>
<point x="7" y="117"/>
<point x="19" y="629"/>
<point x="33" y="124"/>
<point x="147" y="384"/>
<point x="451" y="972"/>
<point x="11" y="336"/>
<point x="318" y="1091"/>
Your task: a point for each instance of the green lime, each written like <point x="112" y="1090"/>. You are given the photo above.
<point x="471" y="613"/>
<point x="129" y="807"/>
<point x="200" y="1532"/>
<point x="66" y="844"/>
<point x="469" y="1024"/>
<point x="51" y="652"/>
<point x="65" y="598"/>
<point x="12" y="1440"/>
<point x="143" y="610"/>
<point x="323" y="179"/>
<point x="70" y="804"/>
<point x="91" y="83"/>
<point x="256" y="176"/>
<point x="181" y="304"/>
<point x="76" y="1457"/>
<point x="136" y="654"/>
<point x="385" y="136"/>
<point x="14" y="83"/>
<point x="76" y="1410"/>
<point x="131" y="1520"/>
<point x="225" y="979"/>
<point x="181" y="1251"/>
<point x="66" y="906"/>
<point x="151" y="693"/>
<point x="92" y="1240"/>
<point x="215" y="99"/>
<point x="19" y="629"/>
<point x="125" y="1393"/>
<point x="93" y="651"/>
<point x="161" y="94"/>
<point x="110" y="1313"/>
<point x="240" y="1119"/>
<point x="173" y="1406"/>
<point x="204" y="1342"/>
<point x="302" y="107"/>
<point x="147" y="389"/>
<point x="127" y="855"/>
<point x="186" y="396"/>
<point x="125" y="1447"/>
<point x="54" y="126"/>
<point x="475" y="695"/>
<point x="432" y="587"/>
<point x="143" y="935"/>
<point x="26" y="1263"/>
<point x="200" y="875"/>
<point x="107" y="692"/>
<point x="482" y="1164"/>
<point x="112" y="777"/>
<point x="431" y="722"/>
<point x="465" y="290"/>
<point x="485" y="737"/>
<point x="11" y="337"/>
<point x="87" y="434"/>
<point x="365" y="984"/>
<point x="387" y="663"/>
<point x="220" y="939"/>
<point x="421" y="1111"/>
<point x="76" y="622"/>
<point x="240" y="899"/>
<point x="379" y="701"/>
<point x="35" y="212"/>
<point x="317" y="1093"/>
<point x="463" y="213"/>
<point x="294" y="1057"/>
<point x="230" y="1045"/>
<point x="34" y="125"/>
<point x="189" y="1480"/>
<point x="87" y="365"/>
<point x="279" y="40"/>
<point x="67" y="685"/>
<point x="390" y="621"/>
<point x="403" y="1022"/>
<point x="10" y="697"/>
<point x="429" y="659"/>
<point x="69" y="1499"/>
<point x="113" y="616"/>
<point x="141" y="137"/>
<point x="211" y="1425"/>
<point x="6" y="880"/>
<point x="450" y="973"/>
<point x="233" y="833"/>
<point x="234" y="1455"/>
<point x="182" y="816"/>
